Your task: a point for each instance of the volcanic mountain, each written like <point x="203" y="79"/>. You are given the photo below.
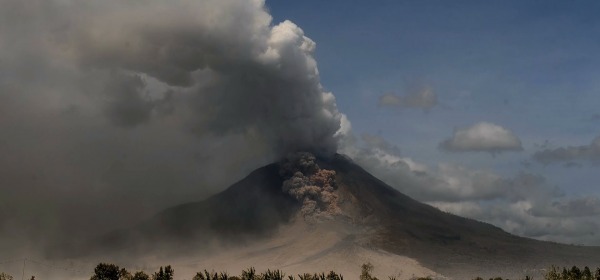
<point x="329" y="213"/>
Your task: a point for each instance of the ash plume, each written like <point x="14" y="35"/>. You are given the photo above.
<point x="122" y="102"/>
<point x="233" y="69"/>
<point x="311" y="185"/>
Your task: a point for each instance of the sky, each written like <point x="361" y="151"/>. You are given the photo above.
<point x="113" y="110"/>
<point x="527" y="67"/>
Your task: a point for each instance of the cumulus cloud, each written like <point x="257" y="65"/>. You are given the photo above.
<point x="525" y="203"/>
<point x="423" y="98"/>
<point x="119" y="102"/>
<point x="482" y="137"/>
<point x="571" y="154"/>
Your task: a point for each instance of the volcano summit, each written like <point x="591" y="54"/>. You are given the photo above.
<point x="306" y="213"/>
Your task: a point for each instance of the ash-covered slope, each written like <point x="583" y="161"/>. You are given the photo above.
<point x="252" y="207"/>
<point x="365" y="212"/>
<point x="447" y="243"/>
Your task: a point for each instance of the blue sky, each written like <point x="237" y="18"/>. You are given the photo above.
<point x="528" y="66"/>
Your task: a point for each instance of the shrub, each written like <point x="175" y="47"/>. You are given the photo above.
<point x="272" y="275"/>
<point x="367" y="269"/>
<point x="106" y="271"/>
<point x="140" y="275"/>
<point x="249" y="274"/>
<point x="166" y="274"/>
<point x="4" y="276"/>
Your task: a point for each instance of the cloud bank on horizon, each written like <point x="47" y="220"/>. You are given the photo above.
<point x="525" y="204"/>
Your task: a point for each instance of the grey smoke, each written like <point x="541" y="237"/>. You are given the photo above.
<point x="237" y="73"/>
<point x="311" y="185"/>
<point x="223" y="60"/>
<point x="112" y="110"/>
<point x="128" y="104"/>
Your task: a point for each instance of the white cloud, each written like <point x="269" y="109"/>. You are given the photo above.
<point x="482" y="137"/>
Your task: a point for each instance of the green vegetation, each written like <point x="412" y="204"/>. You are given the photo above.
<point x="366" y="270"/>
<point x="106" y="271"/>
<point x="4" y="276"/>
<point x="555" y="273"/>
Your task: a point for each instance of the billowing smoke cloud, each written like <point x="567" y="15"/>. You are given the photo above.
<point x="313" y="186"/>
<point x="237" y="71"/>
<point x="222" y="60"/>
<point x="121" y="108"/>
<point x="423" y="98"/>
<point x="570" y="154"/>
<point x="482" y="137"/>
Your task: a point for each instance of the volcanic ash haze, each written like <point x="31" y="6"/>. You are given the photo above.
<point x="237" y="70"/>
<point x="289" y="215"/>
<point x="139" y="102"/>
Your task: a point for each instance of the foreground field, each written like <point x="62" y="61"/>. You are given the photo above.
<point x="105" y="271"/>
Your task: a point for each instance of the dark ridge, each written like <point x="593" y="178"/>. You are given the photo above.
<point x="254" y="206"/>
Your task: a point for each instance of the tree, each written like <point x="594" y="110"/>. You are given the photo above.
<point x="565" y="274"/>
<point x="249" y="274"/>
<point x="140" y="275"/>
<point x="306" y="276"/>
<point x="4" y="276"/>
<point x="334" y="276"/>
<point x="105" y="271"/>
<point x="272" y="275"/>
<point x="365" y="274"/>
<point x="586" y="274"/>
<point x="166" y="274"/>
<point x="216" y="276"/>
<point x="125" y="275"/>
<point x="552" y="274"/>
<point x="575" y="273"/>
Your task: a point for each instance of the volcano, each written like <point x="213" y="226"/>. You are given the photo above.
<point x="256" y="222"/>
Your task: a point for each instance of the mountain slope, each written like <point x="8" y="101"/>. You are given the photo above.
<point x="374" y="217"/>
<point x="447" y="243"/>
